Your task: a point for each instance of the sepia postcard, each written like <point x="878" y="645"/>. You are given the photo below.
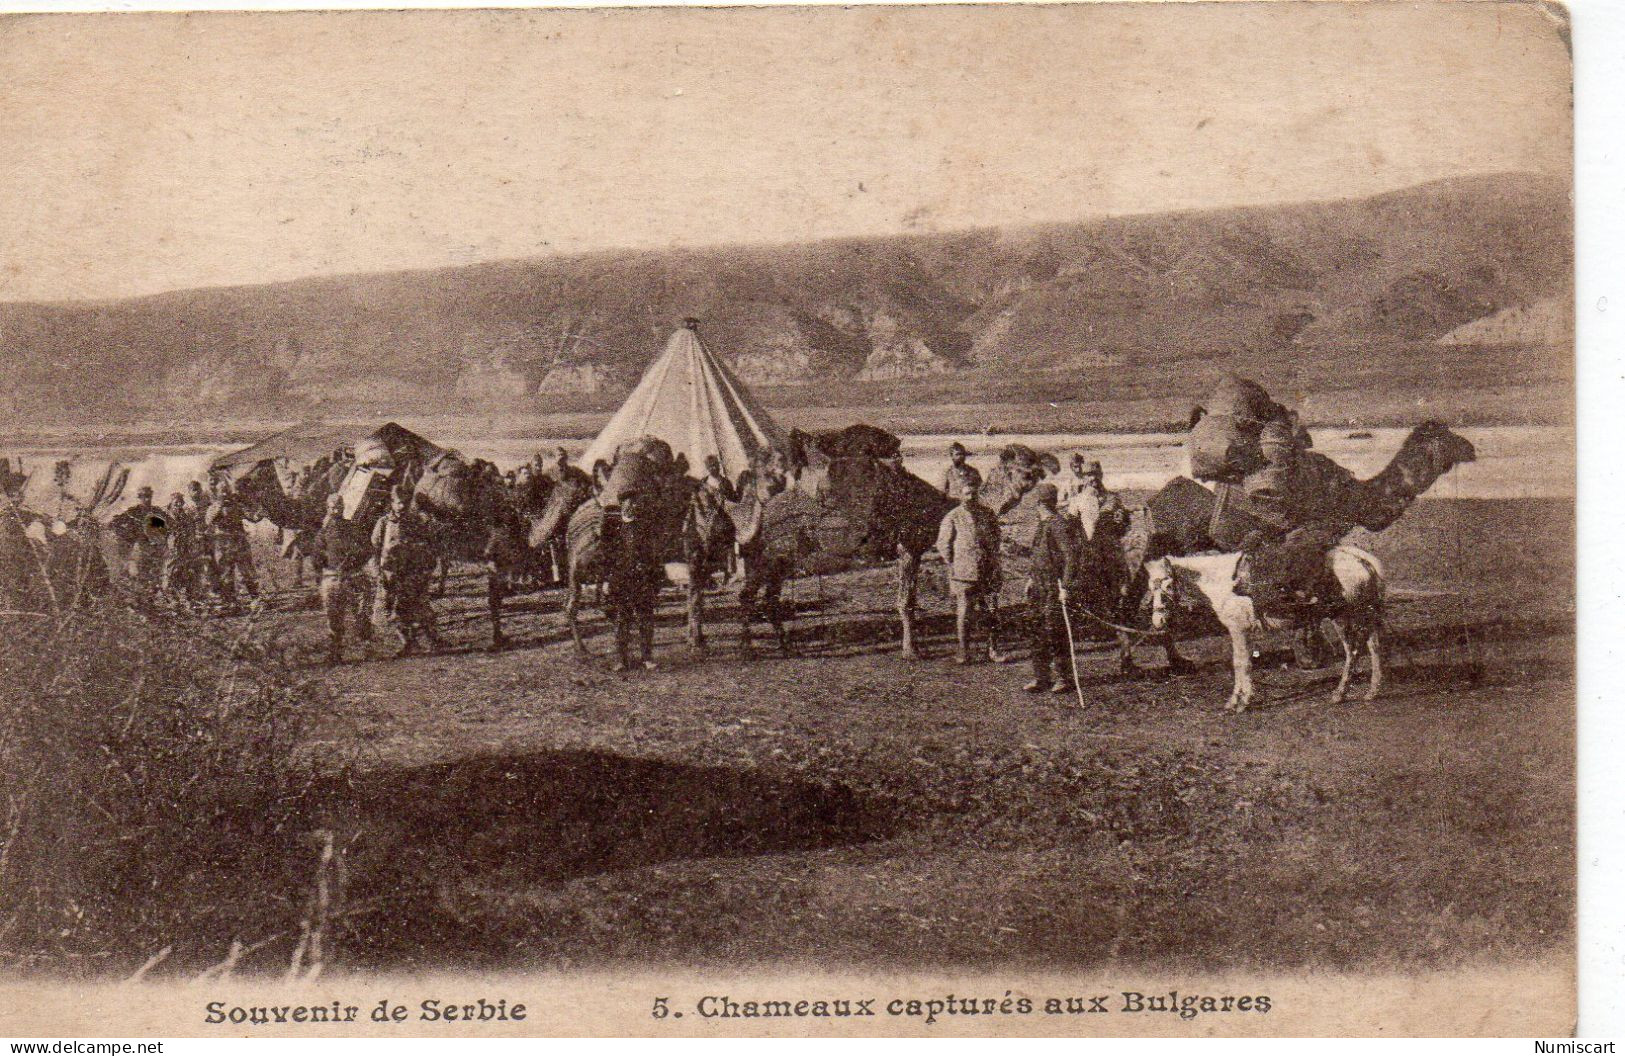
<point x="949" y="521"/>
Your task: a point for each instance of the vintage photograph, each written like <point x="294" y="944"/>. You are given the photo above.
<point x="964" y="520"/>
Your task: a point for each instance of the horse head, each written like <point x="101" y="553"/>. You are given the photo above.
<point x="1162" y="588"/>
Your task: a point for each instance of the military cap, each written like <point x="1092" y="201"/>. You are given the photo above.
<point x="1092" y="468"/>
<point x="957" y="448"/>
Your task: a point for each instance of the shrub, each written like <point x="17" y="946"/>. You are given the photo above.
<point x="153" y="789"/>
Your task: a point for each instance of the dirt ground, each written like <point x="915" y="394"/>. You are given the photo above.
<point x="849" y="808"/>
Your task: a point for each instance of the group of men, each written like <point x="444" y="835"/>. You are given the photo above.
<point x="192" y="552"/>
<point x="1075" y="547"/>
<point x="383" y="574"/>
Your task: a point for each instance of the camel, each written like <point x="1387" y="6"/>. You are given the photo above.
<point x="646" y="466"/>
<point x="473" y="518"/>
<point x="1178" y="520"/>
<point x="1355" y="611"/>
<point x="837" y="515"/>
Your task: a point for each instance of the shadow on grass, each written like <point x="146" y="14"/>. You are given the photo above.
<point x="426" y="842"/>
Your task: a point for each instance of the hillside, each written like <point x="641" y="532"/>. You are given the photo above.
<point x="1292" y="286"/>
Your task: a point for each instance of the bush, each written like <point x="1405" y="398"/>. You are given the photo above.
<point x="153" y="790"/>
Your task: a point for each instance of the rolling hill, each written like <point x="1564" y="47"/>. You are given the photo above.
<point x="1296" y="284"/>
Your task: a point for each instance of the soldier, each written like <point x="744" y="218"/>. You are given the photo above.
<point x="228" y="543"/>
<point x="204" y="574"/>
<point x="711" y="509"/>
<point x="969" y="544"/>
<point x="634" y="576"/>
<point x="405" y="571"/>
<point x="563" y="472"/>
<point x="959" y="471"/>
<point x="146" y="528"/>
<point x="342" y="552"/>
<point x="1054" y="578"/>
<point x="22" y="581"/>
<point x="180" y="571"/>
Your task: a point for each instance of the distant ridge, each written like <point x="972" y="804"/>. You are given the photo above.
<point x="1300" y="282"/>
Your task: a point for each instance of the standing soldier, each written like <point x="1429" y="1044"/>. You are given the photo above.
<point x="711" y="509"/>
<point x="405" y="571"/>
<point x="146" y="528"/>
<point x="180" y="572"/>
<point x="1099" y="513"/>
<point x="228" y="540"/>
<point x="959" y="472"/>
<point x="563" y="472"/>
<point x="342" y="552"/>
<point x="634" y="576"/>
<point x="969" y="544"/>
<point x="1054" y="577"/>
<point x="204" y="574"/>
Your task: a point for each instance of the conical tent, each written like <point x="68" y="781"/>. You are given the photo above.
<point x="691" y="401"/>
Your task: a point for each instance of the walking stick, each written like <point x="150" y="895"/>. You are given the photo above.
<point x="1071" y="648"/>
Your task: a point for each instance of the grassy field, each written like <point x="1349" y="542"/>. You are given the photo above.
<point x="849" y="808"/>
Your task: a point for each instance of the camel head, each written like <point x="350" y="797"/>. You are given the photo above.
<point x="1429" y="452"/>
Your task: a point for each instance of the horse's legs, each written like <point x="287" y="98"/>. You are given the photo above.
<point x="572" y="603"/>
<point x="496" y="588"/>
<point x="908" y="577"/>
<point x="1241" y="662"/>
<point x="747" y="608"/>
<point x="1373" y="644"/>
<point x="1125" y="656"/>
<point x="1346" y="640"/>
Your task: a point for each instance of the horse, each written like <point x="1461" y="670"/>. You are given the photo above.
<point x="1355" y="611"/>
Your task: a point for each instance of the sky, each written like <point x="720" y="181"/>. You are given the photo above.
<point x="142" y="153"/>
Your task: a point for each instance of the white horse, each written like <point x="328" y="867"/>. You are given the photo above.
<point x="1356" y="615"/>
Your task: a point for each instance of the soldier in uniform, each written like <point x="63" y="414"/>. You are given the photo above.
<point x="22" y="583"/>
<point x="146" y="528"/>
<point x="969" y="544"/>
<point x="405" y="572"/>
<point x="563" y="472"/>
<point x="179" y="576"/>
<point x="634" y="576"/>
<point x="710" y="507"/>
<point x="959" y="472"/>
<point x="1054" y="578"/>
<point x="205" y="576"/>
<point x="342" y="552"/>
<point x="228" y="542"/>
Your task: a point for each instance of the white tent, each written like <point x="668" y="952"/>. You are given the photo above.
<point x="689" y="399"/>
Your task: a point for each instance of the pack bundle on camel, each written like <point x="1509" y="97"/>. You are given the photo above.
<point x="472" y="518"/>
<point x="645" y="466"/>
<point x="832" y="515"/>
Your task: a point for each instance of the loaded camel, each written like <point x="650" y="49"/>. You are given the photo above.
<point x="838" y="514"/>
<point x="1178" y="522"/>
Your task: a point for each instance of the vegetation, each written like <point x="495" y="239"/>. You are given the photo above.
<point x="157" y="791"/>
